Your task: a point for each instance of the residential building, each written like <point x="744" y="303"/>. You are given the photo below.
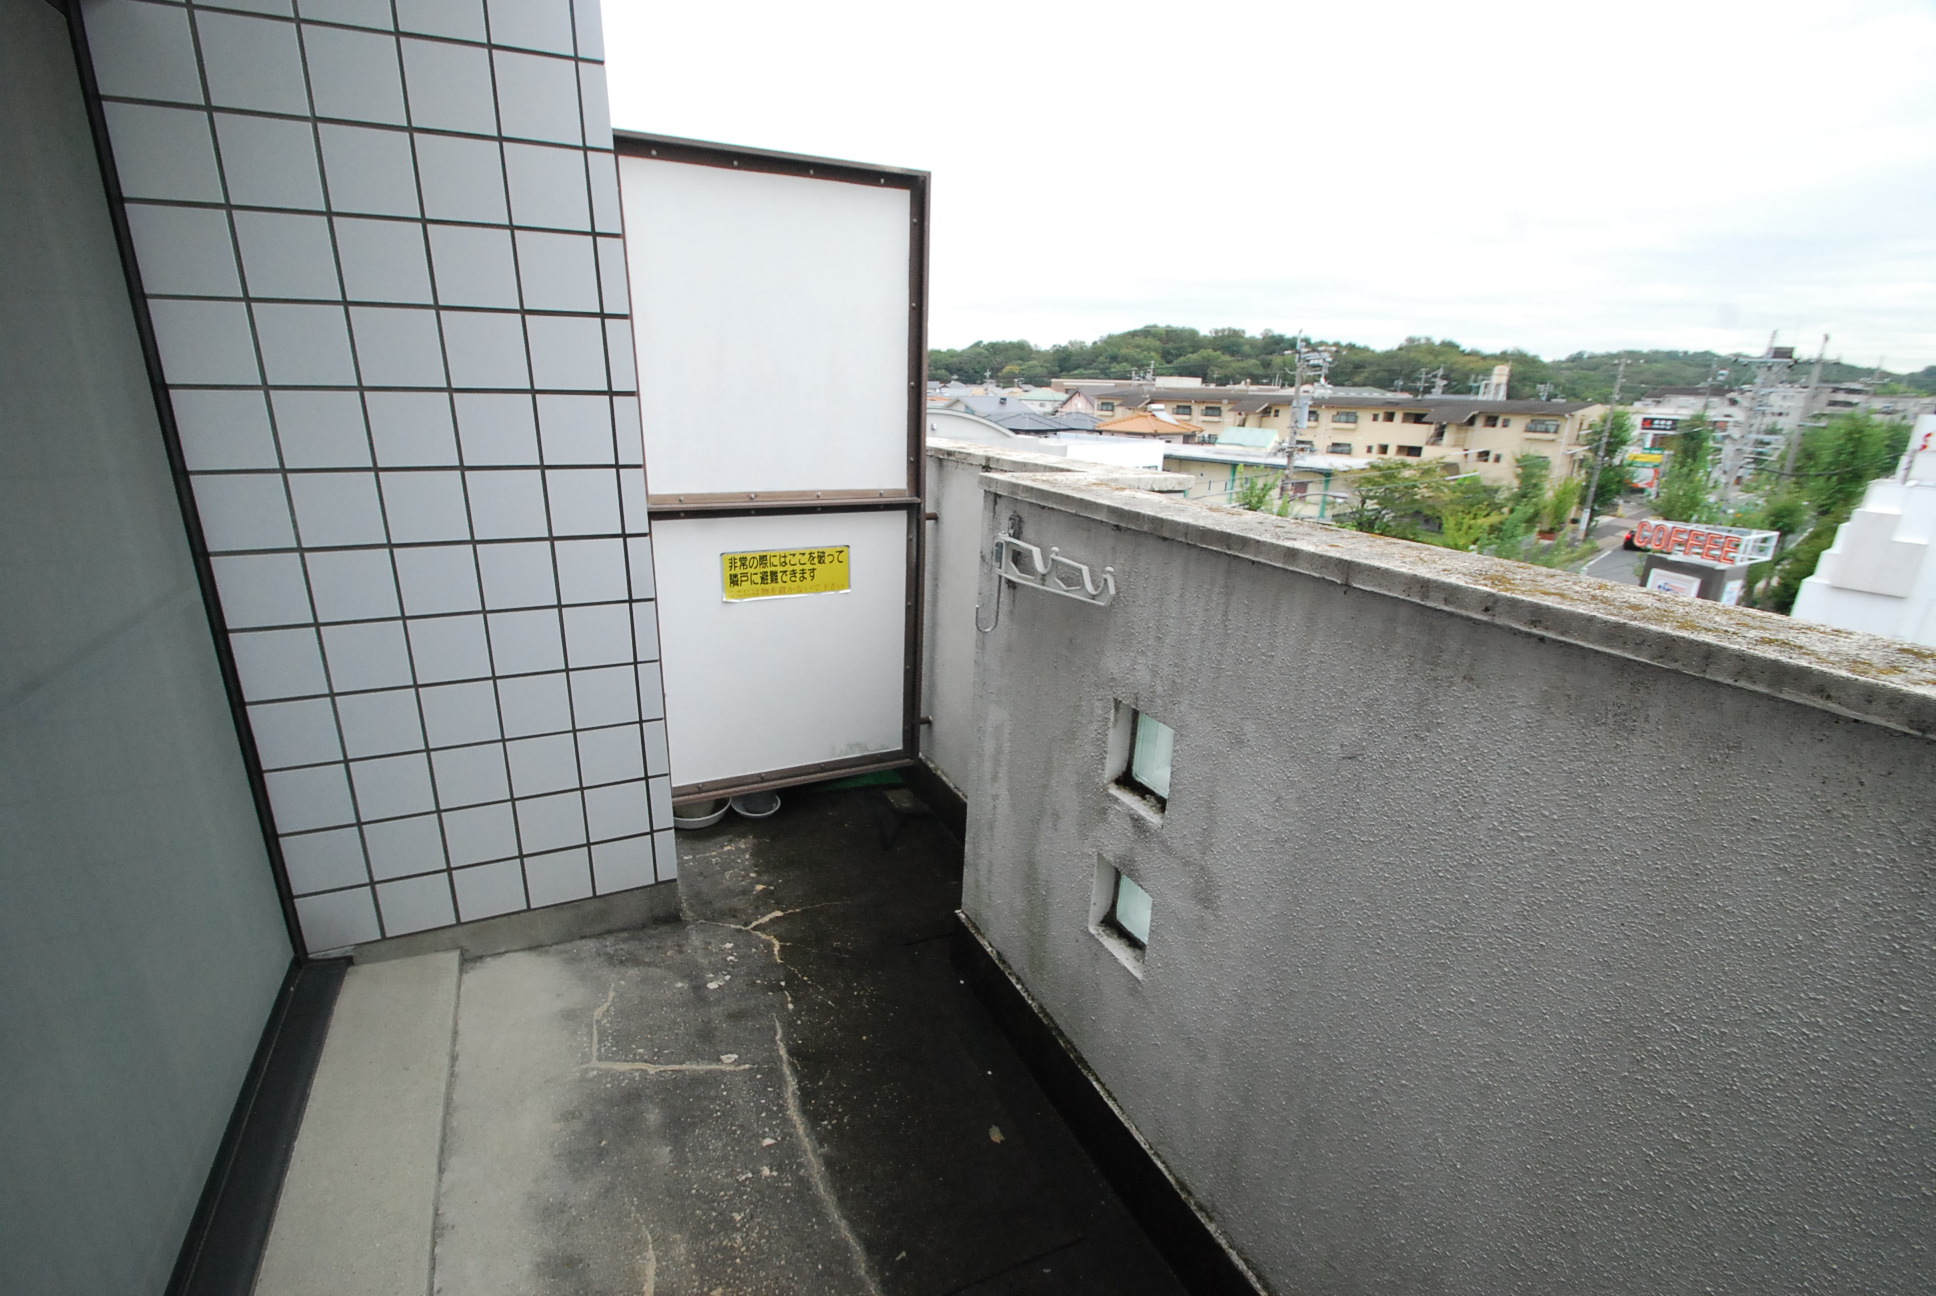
<point x="1151" y="421"/>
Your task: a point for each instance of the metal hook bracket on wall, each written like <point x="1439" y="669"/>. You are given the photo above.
<point x="1022" y="563"/>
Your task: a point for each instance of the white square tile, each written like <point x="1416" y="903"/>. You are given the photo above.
<point x="618" y="810"/>
<point x="534" y="704"/>
<point x="605" y="695"/>
<point x="651" y="691"/>
<point x="405" y="847"/>
<point x="482" y="833"/>
<point x="618" y="350"/>
<point x="279" y="8"/>
<point x="506" y="504"/>
<point x="337" y="920"/>
<point x="496" y="428"/>
<point x="610" y="755"/>
<point x="460" y="19"/>
<point x="450" y="648"/>
<point x="657" y="759"/>
<point x="469" y="776"/>
<point x="591" y="571"/>
<point x="204" y="342"/>
<point x="262" y="590"/>
<point x="474" y="266"/>
<point x="415" y="904"/>
<point x="567" y="353"/>
<point x="370" y="655"/>
<point x="537" y="98"/>
<point x="321" y="429"/>
<point x="613" y="286"/>
<point x="450" y="87"/>
<point x="591" y="39"/>
<point x="352" y="584"/>
<point x="631" y="436"/>
<point x="538" y="765"/>
<point x="559" y="877"/>
<point x="336" y="508"/>
<point x="595" y="105"/>
<point x="317" y="797"/>
<point x="661" y="802"/>
<point x="549" y="822"/>
<point x="645" y="631"/>
<point x="379" y="724"/>
<point x="547" y="186"/>
<point x="531" y="24"/>
<point x="383" y="260"/>
<point x="304" y="346"/>
<point x="638" y="554"/>
<point x="633" y="501"/>
<point x="455" y="714"/>
<point x="143" y="52"/>
<point x="224" y="429"/>
<point x="353" y="74"/>
<point x="439" y="579"/>
<point x="185" y="250"/>
<point x="558" y="271"/>
<point x="517" y="575"/>
<point x="584" y="501"/>
<point x="488" y="890"/>
<point x="463" y="179"/>
<point x="243" y="511"/>
<point x="370" y="171"/>
<point x="163" y="153"/>
<point x="389" y="786"/>
<point x="412" y="429"/>
<point x="287" y="256"/>
<point x="324" y="861"/>
<point x="425" y="506"/>
<point x="295" y="733"/>
<point x="398" y="346"/>
<point x="252" y="63"/>
<point x="665" y="852"/>
<point x="486" y="350"/>
<point x="623" y="865"/>
<point x="269" y="162"/>
<point x="353" y="13"/>
<point x="605" y="205"/>
<point x="523" y="643"/>
<point x="278" y="664"/>
<point x="576" y="429"/>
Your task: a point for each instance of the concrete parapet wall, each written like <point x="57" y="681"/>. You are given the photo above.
<point x="1512" y="931"/>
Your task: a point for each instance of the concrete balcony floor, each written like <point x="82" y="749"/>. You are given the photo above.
<point x="788" y="1092"/>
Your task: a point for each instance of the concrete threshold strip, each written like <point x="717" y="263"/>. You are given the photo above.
<point x="358" y="1211"/>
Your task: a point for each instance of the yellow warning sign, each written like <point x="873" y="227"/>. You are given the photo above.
<point x="784" y="571"/>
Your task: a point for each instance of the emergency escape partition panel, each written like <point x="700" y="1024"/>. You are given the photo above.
<point x="780" y="307"/>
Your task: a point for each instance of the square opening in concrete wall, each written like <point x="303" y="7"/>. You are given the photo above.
<point x="1119" y="915"/>
<point x="1141" y="749"/>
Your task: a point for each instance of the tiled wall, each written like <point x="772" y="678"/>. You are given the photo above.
<point x="380" y="246"/>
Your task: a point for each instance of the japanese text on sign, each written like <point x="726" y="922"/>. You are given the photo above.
<point x="784" y="571"/>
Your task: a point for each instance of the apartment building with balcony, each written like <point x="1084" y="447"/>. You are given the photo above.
<point x="355" y="681"/>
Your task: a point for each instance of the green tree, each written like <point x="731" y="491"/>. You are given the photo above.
<point x="1611" y="456"/>
<point x="1683" y="494"/>
<point x="1837" y="461"/>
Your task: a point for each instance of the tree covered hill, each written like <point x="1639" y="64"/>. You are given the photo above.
<point x="1229" y="355"/>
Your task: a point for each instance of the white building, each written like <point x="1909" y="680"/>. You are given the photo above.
<point x="1877" y="576"/>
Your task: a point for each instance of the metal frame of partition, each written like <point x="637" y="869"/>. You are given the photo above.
<point x="767" y="503"/>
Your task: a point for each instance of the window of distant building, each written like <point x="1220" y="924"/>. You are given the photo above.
<point x="1181" y="411"/>
<point x="1414" y="416"/>
<point x="1543" y="427"/>
<point x="1484" y="456"/>
<point x="1384" y="448"/>
<point x="1412" y="452"/>
<point x="1213" y="411"/>
<point x="1391" y="416"/>
<point x="1505" y="422"/>
<point x="1344" y="416"/>
<point x="1306" y="447"/>
<point x="1492" y="420"/>
<point x="1107" y="407"/>
<point x="1338" y="447"/>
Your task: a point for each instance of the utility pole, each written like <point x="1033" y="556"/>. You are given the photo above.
<point x="1606" y="430"/>
<point x="1795" y="433"/>
<point x="1314" y="363"/>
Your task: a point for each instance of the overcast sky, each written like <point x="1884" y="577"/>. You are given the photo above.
<point x="1658" y="173"/>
